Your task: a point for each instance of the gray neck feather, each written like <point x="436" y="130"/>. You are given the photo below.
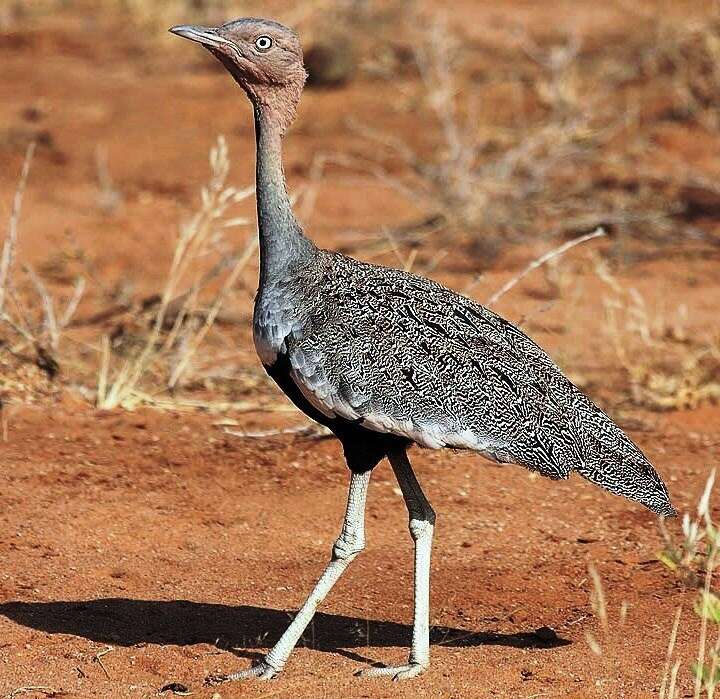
<point x="283" y="245"/>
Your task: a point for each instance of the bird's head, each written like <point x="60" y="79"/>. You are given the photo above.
<point x="264" y="57"/>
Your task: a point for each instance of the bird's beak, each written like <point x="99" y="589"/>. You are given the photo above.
<point x="207" y="36"/>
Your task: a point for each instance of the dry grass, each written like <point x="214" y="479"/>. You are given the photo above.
<point x="667" y="366"/>
<point x="38" y="324"/>
<point x="689" y="556"/>
<point x="695" y="559"/>
<point x="184" y="316"/>
<point x="610" y="624"/>
<point x="151" y="364"/>
<point x="152" y="349"/>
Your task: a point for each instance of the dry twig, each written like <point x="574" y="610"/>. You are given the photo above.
<point x="10" y="245"/>
<point x="99" y="657"/>
<point x="552" y="254"/>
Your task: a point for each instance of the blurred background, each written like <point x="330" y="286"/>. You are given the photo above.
<point x="467" y="142"/>
<point x="458" y="144"/>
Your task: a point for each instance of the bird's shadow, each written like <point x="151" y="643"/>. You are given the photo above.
<point x="242" y="629"/>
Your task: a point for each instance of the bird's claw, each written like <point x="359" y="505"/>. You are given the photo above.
<point x="397" y="672"/>
<point x="262" y="671"/>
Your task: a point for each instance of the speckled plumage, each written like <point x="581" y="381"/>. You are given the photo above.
<point x="394" y="352"/>
<point x="385" y="358"/>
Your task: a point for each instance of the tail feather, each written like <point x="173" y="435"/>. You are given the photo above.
<point x="610" y="459"/>
<point x="632" y="477"/>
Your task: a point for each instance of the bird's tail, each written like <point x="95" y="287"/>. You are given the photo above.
<point x="631" y="475"/>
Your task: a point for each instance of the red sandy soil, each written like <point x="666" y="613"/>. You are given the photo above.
<point x="185" y="551"/>
<point x="182" y="551"/>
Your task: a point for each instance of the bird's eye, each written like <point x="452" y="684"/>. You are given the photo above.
<point x="263" y="43"/>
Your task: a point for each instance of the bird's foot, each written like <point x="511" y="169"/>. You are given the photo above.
<point x="397" y="672"/>
<point x="262" y="671"/>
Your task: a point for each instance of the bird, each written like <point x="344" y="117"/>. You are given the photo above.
<point x="387" y="359"/>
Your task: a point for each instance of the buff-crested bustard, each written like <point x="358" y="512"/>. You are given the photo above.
<point x="386" y="359"/>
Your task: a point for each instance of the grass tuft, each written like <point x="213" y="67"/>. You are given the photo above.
<point x="179" y="324"/>
<point x="695" y="559"/>
<point x="667" y="366"/>
<point x="39" y="324"/>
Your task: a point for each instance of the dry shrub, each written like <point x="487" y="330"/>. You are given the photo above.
<point x="496" y="183"/>
<point x="684" y="56"/>
<point x="575" y="159"/>
<point x="480" y="179"/>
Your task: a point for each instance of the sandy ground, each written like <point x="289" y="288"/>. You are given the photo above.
<point x="139" y="549"/>
<point x="184" y="551"/>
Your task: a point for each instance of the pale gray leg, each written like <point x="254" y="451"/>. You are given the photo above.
<point x="348" y="545"/>
<point x="422" y="525"/>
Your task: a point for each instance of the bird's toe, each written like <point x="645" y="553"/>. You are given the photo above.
<point x="409" y="671"/>
<point x="397" y="672"/>
<point x="262" y="671"/>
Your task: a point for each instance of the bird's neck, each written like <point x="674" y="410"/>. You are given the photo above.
<point x="283" y="246"/>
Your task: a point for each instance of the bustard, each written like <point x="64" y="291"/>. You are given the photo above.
<point x="385" y="358"/>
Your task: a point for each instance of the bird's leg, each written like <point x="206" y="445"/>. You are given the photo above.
<point x="422" y="524"/>
<point x="348" y="545"/>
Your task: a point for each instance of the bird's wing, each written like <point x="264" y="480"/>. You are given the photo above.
<point x="476" y="395"/>
<point x="409" y="357"/>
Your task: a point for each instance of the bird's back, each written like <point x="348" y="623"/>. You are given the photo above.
<point x="404" y="355"/>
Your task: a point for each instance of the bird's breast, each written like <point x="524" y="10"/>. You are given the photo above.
<point x="269" y="337"/>
<point x="275" y="318"/>
<point x="266" y="350"/>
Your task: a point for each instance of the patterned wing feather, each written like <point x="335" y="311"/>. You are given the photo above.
<point x="407" y="356"/>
